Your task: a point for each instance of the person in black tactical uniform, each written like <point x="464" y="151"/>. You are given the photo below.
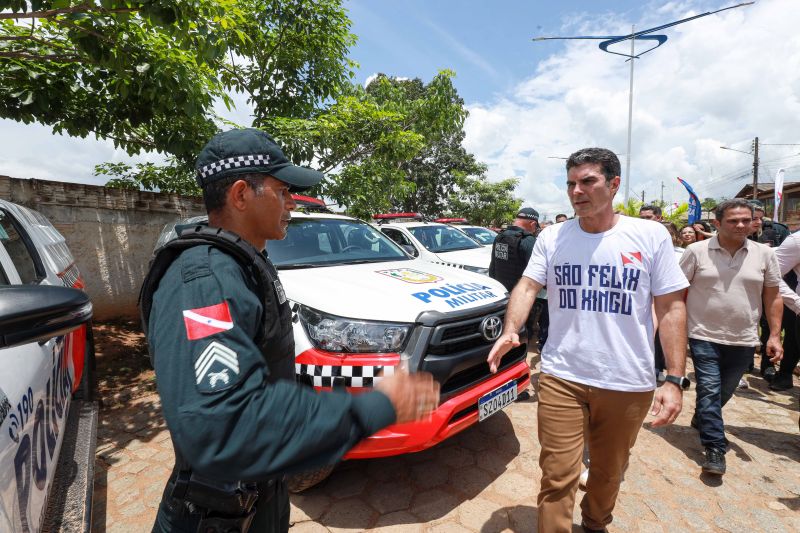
<point x="219" y="329"/>
<point x="511" y="252"/>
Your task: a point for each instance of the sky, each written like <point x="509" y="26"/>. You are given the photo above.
<point x="720" y="80"/>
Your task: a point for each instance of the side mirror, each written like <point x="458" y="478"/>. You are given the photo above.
<point x="32" y="313"/>
<point x="410" y="250"/>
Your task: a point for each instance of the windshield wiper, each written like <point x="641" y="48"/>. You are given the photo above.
<point x="293" y="266"/>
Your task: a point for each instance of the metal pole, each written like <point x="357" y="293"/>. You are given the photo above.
<point x="630" y="120"/>
<point x="755" y="169"/>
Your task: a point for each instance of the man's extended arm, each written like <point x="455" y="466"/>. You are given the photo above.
<point x="788" y="254"/>
<point x="519" y="306"/>
<point x="671" y="315"/>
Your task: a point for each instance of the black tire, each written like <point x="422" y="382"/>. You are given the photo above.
<point x="305" y="480"/>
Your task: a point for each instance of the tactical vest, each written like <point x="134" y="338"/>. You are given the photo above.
<point x="509" y="263"/>
<point x="275" y="339"/>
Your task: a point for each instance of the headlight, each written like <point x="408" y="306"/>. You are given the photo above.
<point x="337" y="334"/>
<point x="479" y="270"/>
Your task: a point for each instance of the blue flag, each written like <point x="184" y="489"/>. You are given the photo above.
<point x="694" y="204"/>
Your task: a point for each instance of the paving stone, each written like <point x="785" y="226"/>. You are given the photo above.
<point x="523" y="518"/>
<point x="429" y="474"/>
<point x="694" y="521"/>
<point x="646" y="526"/>
<point x="346" y="483"/>
<point x="767" y="521"/>
<point x="481" y="514"/>
<point x="515" y="487"/>
<point x="448" y="527"/>
<point x="387" y="497"/>
<point x="398" y="522"/>
<point x="308" y="507"/>
<point x="349" y="515"/>
<point x="308" y="527"/>
<point x="433" y="505"/>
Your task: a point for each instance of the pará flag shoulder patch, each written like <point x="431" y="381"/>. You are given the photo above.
<point x="205" y="321"/>
<point x="633" y="259"/>
<point x="216" y="368"/>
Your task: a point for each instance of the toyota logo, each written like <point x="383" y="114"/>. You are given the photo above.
<point x="491" y="327"/>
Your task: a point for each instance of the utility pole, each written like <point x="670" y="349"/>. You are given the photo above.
<point x="642" y="196"/>
<point x="662" y="193"/>
<point x="755" y="168"/>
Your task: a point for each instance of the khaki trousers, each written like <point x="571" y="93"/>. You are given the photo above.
<point x="611" y="421"/>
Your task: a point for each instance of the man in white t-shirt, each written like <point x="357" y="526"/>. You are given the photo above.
<point x="604" y="274"/>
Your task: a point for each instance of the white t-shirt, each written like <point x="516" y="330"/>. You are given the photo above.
<point x="601" y="288"/>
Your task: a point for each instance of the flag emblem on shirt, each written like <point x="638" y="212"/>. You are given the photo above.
<point x="632" y="258"/>
<point x="205" y="321"/>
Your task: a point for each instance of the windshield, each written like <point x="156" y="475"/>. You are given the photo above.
<point x="442" y="238"/>
<point x="482" y="235"/>
<point x="314" y="242"/>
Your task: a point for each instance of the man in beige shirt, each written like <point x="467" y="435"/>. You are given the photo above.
<point x="730" y="277"/>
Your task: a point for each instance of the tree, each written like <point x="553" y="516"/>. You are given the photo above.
<point x="436" y="168"/>
<point x="367" y="142"/>
<point x="146" y="73"/>
<point x="708" y="205"/>
<point x="630" y="208"/>
<point x="141" y="73"/>
<point x="483" y="202"/>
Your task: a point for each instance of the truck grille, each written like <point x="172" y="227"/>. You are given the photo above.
<point x="454" y="350"/>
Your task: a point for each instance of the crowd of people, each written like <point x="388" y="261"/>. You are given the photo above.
<point x="627" y="297"/>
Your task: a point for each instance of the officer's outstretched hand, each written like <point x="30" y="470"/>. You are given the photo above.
<point x="413" y="396"/>
<point x="502" y="346"/>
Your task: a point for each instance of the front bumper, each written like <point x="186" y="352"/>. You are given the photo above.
<point x="452" y="416"/>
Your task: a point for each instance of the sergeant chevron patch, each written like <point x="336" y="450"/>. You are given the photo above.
<point x="214" y="367"/>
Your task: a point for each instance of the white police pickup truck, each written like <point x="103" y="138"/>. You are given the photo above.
<point x="361" y="305"/>
<point x="434" y="242"/>
<point x="47" y="417"/>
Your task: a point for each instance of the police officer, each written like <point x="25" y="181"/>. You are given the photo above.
<point x="220" y="334"/>
<point x="511" y="252"/>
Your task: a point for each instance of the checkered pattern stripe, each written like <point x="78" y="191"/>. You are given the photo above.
<point x="233" y="162"/>
<point x="354" y="376"/>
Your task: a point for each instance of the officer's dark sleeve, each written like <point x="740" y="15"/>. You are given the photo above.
<point x="242" y="428"/>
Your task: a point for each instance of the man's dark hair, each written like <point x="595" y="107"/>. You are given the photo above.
<point x="608" y="161"/>
<point x="214" y="193"/>
<point x="654" y="208"/>
<point x="561" y="215"/>
<point x="733" y="203"/>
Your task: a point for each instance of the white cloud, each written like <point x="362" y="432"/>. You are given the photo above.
<point x="719" y="80"/>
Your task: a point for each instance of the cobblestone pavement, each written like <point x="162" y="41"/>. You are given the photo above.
<point x="486" y="478"/>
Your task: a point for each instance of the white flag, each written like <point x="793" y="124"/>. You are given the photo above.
<point x="778" y="193"/>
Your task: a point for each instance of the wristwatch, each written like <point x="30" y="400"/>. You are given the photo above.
<point x="681" y="381"/>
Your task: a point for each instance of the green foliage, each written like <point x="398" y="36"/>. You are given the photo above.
<point x="629" y="208"/>
<point x="173" y="178"/>
<point x="679" y="215"/>
<point x="141" y="73"/>
<point x="146" y="73"/>
<point x="383" y="147"/>
<point x="485" y="203"/>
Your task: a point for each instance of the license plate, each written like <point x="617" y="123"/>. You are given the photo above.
<point x="498" y="399"/>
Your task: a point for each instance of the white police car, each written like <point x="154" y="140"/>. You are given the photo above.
<point x="361" y="305"/>
<point x="434" y="242"/>
<point x="484" y="236"/>
<point x="47" y="418"/>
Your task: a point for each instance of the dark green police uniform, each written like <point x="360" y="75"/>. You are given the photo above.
<point x="223" y="348"/>
<point x="231" y="416"/>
